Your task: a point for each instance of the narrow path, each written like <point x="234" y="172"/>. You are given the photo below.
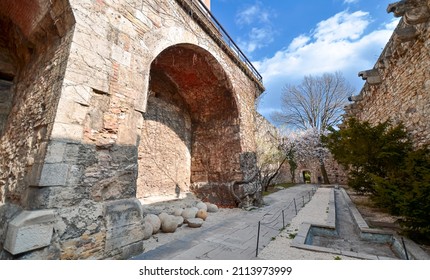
<point x="235" y="236"/>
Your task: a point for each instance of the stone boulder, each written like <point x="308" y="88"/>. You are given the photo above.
<point x="178" y="211"/>
<point x="162" y="216"/>
<point x="212" y="208"/>
<point x="169" y="224"/>
<point x="147" y="230"/>
<point x="179" y="220"/>
<point x="195" y="222"/>
<point x="202" y="214"/>
<point x="202" y="205"/>
<point x="189" y="213"/>
<point x="154" y="221"/>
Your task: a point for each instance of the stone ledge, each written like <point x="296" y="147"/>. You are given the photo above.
<point x="354" y="212"/>
<point x="331" y="216"/>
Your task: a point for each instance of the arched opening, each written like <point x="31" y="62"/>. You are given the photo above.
<point x="8" y="69"/>
<point x="190" y="136"/>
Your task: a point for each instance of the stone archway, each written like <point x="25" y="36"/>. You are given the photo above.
<point x="191" y="134"/>
<point x="307" y="176"/>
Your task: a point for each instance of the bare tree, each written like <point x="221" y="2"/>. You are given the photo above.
<point x="316" y="103"/>
<point x="270" y="156"/>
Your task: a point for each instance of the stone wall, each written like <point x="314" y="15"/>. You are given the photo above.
<point x="269" y="155"/>
<point x="74" y="145"/>
<point x="398" y="86"/>
<point x="336" y="173"/>
<point x="267" y="136"/>
<point x="165" y="147"/>
<point x="36" y="45"/>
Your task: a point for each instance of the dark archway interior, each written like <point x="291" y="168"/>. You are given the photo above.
<point x="191" y="104"/>
<point x="307" y="177"/>
<point x="8" y="70"/>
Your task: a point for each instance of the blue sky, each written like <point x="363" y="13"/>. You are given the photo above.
<point x="287" y="40"/>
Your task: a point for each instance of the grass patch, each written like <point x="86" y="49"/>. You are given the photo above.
<point x="275" y="188"/>
<point x="286" y="185"/>
<point x="292" y="235"/>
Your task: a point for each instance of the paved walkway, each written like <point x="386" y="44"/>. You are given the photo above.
<point x="318" y="211"/>
<point x="233" y="235"/>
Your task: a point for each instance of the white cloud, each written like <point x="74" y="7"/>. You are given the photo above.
<point x="342" y="26"/>
<point x="339" y="43"/>
<point x="298" y="43"/>
<point x="393" y="24"/>
<point x="261" y="33"/>
<point x="257" y="38"/>
<point x="252" y="14"/>
<point x="350" y="1"/>
<point x="335" y="45"/>
<point x="247" y="16"/>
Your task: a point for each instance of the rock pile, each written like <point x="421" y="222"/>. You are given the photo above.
<point x="168" y="219"/>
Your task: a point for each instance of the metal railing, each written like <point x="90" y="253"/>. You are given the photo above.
<point x="273" y="224"/>
<point x="200" y="7"/>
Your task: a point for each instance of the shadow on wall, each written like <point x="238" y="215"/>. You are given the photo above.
<point x="84" y="205"/>
<point x="191" y="133"/>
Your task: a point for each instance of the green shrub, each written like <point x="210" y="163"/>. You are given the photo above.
<point x="381" y="161"/>
<point x="367" y="150"/>
<point x="414" y="203"/>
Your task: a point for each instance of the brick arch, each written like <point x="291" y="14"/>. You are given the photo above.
<point x="191" y="132"/>
<point x="161" y="40"/>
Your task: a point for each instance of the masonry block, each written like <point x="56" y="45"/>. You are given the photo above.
<point x="54" y="174"/>
<point x="124" y="223"/>
<point x="55" y="152"/>
<point x="30" y="230"/>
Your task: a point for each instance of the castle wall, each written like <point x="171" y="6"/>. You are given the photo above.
<point x="398" y="86"/>
<point x="74" y="140"/>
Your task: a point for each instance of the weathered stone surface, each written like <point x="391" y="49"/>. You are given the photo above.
<point x="413" y="12"/>
<point x="189" y="213"/>
<point x="147" y="230"/>
<point x="178" y="211"/>
<point x="202" y="205"/>
<point x="195" y="222"/>
<point x="402" y="95"/>
<point x="179" y="220"/>
<point x="54" y="174"/>
<point x="407" y="34"/>
<point x="30" y="230"/>
<point x="124" y="223"/>
<point x="169" y="224"/>
<point x="202" y="214"/>
<point x="162" y="216"/>
<point x="154" y="220"/>
<point x="371" y="76"/>
<point x="212" y="208"/>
